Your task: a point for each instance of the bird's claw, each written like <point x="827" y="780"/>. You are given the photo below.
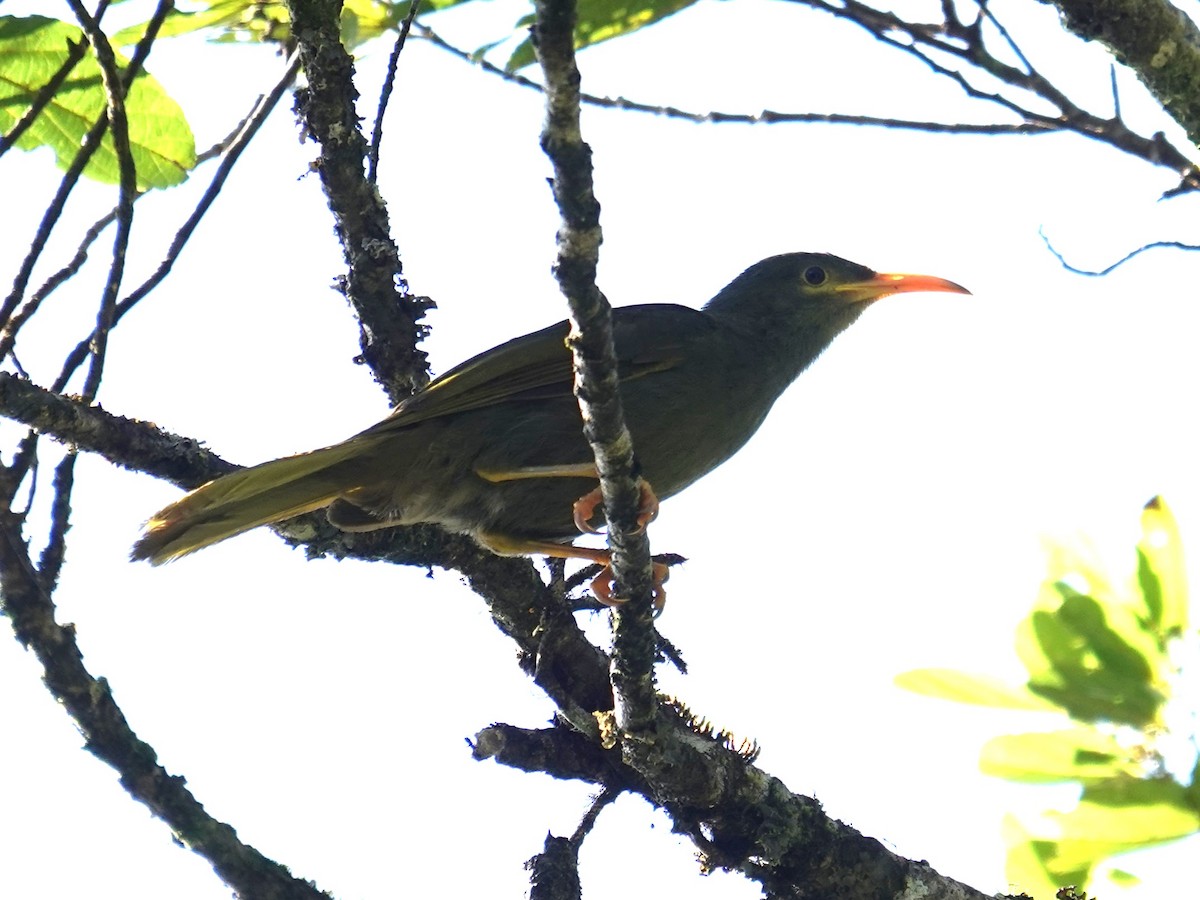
<point x="585" y="508"/>
<point x="605" y="583"/>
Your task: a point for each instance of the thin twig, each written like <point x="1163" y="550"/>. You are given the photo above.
<point x="90" y="143"/>
<point x="964" y="42"/>
<point x="385" y="92"/>
<point x="953" y="37"/>
<point x="717" y="117"/>
<point x="1116" y="94"/>
<point x="8" y="334"/>
<point x="10" y="330"/>
<point x="1096" y="273"/>
<point x="603" y="799"/>
<point x="46" y="93"/>
<point x="986" y="10"/>
<point x="249" y="128"/>
<point x="114" y="90"/>
<point x="51" y="561"/>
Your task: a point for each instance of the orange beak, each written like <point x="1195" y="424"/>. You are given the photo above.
<point x="885" y="284"/>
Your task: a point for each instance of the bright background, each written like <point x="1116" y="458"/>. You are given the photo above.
<point x="891" y="513"/>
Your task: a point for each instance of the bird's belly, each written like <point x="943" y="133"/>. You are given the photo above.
<point x="676" y="451"/>
<point x="435" y="473"/>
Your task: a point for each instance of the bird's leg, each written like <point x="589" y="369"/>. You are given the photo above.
<point x="565" y="470"/>
<point x="585" y="506"/>
<point x="602" y="585"/>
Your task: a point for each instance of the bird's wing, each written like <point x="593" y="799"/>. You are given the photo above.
<point x="649" y="338"/>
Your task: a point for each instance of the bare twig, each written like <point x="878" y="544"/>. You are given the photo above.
<point x="588" y="822"/>
<point x="75" y="52"/>
<point x="109" y="737"/>
<point x="88" y="147"/>
<point x="50" y="564"/>
<point x="249" y="128"/>
<point x="717" y="117"/>
<point x="953" y="37"/>
<point x="385" y="92"/>
<point x="1153" y="245"/>
<point x="956" y="39"/>
<point x="17" y="321"/>
<point x="1116" y="94"/>
<point x="118" y="122"/>
<point x="237" y="140"/>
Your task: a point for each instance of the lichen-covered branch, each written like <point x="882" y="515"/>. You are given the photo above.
<point x="572" y="671"/>
<point x="591" y="344"/>
<point x="1154" y="38"/>
<point x="740" y="817"/>
<point x="389" y="316"/>
<point x="129" y="443"/>
<point x="27" y="605"/>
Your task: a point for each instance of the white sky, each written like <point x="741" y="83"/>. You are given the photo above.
<point x="889" y="515"/>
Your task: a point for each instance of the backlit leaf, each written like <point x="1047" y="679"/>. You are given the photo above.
<point x="32" y="49"/>
<point x="1072" y="754"/>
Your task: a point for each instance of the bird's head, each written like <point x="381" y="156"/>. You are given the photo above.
<point x="793" y="306"/>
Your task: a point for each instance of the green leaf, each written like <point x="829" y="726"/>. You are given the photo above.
<point x="1072" y="754"/>
<point x="1115" y="652"/>
<point x="218" y="14"/>
<point x="601" y="20"/>
<point x="32" y="49"/>
<point x="1114" y="816"/>
<point x="1130" y="812"/>
<point x="256" y="21"/>
<point x="1077" y="661"/>
<point x="1124" y="879"/>
<point x="1029" y="861"/>
<point x="964" y="687"/>
<point x="1162" y="572"/>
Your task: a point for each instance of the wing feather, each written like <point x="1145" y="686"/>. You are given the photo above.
<point x="649" y="338"/>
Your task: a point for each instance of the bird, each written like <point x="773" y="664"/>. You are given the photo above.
<point x="494" y="448"/>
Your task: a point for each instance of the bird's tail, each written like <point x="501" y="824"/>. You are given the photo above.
<point x="239" y="501"/>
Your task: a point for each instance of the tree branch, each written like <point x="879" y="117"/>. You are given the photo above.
<point x="591" y="343"/>
<point x="572" y="671"/>
<point x="1155" y="39"/>
<point x="389" y="316"/>
<point x="118" y="127"/>
<point x="965" y="41"/>
<point x="109" y="737"/>
<point x="739" y="816"/>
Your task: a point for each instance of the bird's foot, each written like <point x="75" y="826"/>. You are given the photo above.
<point x="585" y="508"/>
<point x="605" y="583"/>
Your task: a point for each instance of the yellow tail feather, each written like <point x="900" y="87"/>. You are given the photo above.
<point x="260" y="495"/>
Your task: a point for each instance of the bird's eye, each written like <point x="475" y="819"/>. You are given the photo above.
<point x="815" y="275"/>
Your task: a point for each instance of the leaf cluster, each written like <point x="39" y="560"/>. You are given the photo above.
<point x="1103" y="655"/>
<point x="362" y="20"/>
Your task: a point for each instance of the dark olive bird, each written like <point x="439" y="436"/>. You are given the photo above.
<point x="494" y="448"/>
